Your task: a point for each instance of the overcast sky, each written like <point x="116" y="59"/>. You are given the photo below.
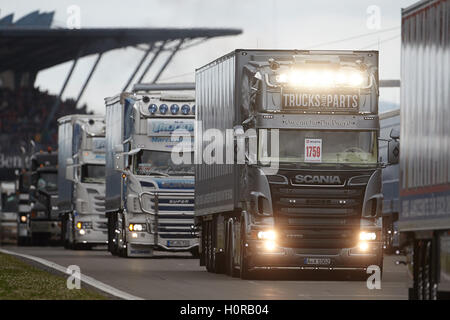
<point x="281" y="24"/>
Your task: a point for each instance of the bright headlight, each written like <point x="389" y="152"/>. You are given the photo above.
<point x="267" y="235"/>
<point x="269" y="245"/>
<point x="137" y="227"/>
<point x="365" y="236"/>
<point x="322" y="78"/>
<point x="363" y="246"/>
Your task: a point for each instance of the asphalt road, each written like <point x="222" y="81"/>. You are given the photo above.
<point x="178" y="276"/>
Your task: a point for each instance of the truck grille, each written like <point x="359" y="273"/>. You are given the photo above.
<point x="317" y="217"/>
<point x="175" y="217"/>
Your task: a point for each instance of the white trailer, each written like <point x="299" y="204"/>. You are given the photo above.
<point x="150" y="198"/>
<point x="81" y="180"/>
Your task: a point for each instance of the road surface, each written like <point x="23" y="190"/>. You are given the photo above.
<point x="178" y="276"/>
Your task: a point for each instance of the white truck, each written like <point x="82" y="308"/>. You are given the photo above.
<point x="8" y="212"/>
<point x="81" y="180"/>
<point x="149" y="197"/>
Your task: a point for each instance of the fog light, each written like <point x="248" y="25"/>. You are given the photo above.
<point x="82" y="232"/>
<point x="23" y="219"/>
<point x="363" y="246"/>
<point x="365" y="236"/>
<point x="269" y="245"/>
<point x="267" y="235"/>
<point x="134" y="235"/>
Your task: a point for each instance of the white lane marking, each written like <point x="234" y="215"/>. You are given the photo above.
<point x="84" y="278"/>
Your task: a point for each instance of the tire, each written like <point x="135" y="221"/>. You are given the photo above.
<point x="230" y="267"/>
<point x="22" y="241"/>
<point x="194" y="252"/>
<point x="429" y="284"/>
<point x="112" y="246"/>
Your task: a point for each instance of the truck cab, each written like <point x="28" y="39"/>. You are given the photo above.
<point x="150" y="196"/>
<point x="45" y="226"/>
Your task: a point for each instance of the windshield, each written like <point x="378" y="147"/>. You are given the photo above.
<point x="149" y="162"/>
<point x="321" y="147"/>
<point x="93" y="173"/>
<point x="47" y="181"/>
<point x="9" y="203"/>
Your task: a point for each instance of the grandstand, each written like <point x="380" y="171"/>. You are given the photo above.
<point x="31" y="44"/>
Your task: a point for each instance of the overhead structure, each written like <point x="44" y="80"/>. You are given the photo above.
<point x="30" y="45"/>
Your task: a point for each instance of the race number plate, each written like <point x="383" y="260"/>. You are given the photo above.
<point x="318" y="261"/>
<point x="178" y="243"/>
<point x="338" y="101"/>
<point x="313" y="150"/>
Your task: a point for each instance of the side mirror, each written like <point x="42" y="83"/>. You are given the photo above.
<point x="119" y="161"/>
<point x="118" y="148"/>
<point x="69" y="171"/>
<point x="395" y="134"/>
<point x="393" y="152"/>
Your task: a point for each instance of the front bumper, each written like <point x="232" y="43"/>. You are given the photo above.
<point x="143" y="243"/>
<point x="46" y="226"/>
<point x="339" y="259"/>
<point x="91" y="236"/>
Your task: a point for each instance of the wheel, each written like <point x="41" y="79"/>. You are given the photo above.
<point x="112" y="235"/>
<point x="230" y="267"/>
<point x="429" y="286"/>
<point x="244" y="271"/>
<point x="194" y="252"/>
<point x="21" y="241"/>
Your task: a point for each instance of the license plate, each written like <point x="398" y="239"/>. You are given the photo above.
<point x="318" y="261"/>
<point x="320" y="101"/>
<point x="178" y="243"/>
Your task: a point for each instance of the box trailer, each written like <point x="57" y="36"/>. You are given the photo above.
<point x="424" y="220"/>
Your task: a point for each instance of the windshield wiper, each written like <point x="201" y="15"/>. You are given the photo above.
<point x="149" y="173"/>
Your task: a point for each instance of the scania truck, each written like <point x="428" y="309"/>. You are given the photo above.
<point x="149" y="192"/>
<point x="45" y="225"/>
<point x="296" y="182"/>
<point x="424" y="220"/>
<point x="81" y="180"/>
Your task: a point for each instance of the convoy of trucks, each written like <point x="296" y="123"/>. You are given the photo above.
<point x="81" y="181"/>
<point x="149" y="194"/>
<point x="294" y="167"/>
<point x="424" y="219"/>
<point x="304" y="190"/>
